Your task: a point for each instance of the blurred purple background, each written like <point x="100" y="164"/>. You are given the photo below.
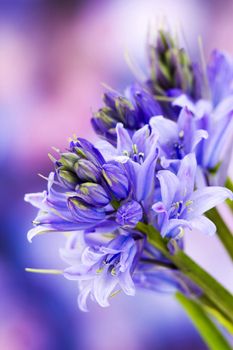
<point x="54" y="55"/>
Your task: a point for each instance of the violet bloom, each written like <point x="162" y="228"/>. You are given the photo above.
<point x="101" y="269"/>
<point x="177" y="139"/>
<point x="133" y="110"/>
<point x="179" y="207"/>
<point x="78" y="196"/>
<point x="172" y="72"/>
<point x="139" y="154"/>
<point x="104" y="265"/>
<point x="215" y="115"/>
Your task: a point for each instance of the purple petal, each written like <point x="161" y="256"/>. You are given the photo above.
<point x="169" y="184"/>
<point x="124" y="142"/>
<point x="84" y="291"/>
<point x="186" y="175"/>
<point x="35" y="199"/>
<point x="126" y="283"/>
<point x="90" y="257"/>
<point x="207" y="198"/>
<point x="204" y="225"/>
<point x="197" y="137"/>
<point x="104" y="286"/>
<point x="174" y="228"/>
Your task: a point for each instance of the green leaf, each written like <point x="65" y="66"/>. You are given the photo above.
<point x="223" y="231"/>
<point x="207" y="329"/>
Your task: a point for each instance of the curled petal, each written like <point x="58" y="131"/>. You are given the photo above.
<point x="207" y="198"/>
<point x="204" y="225"/>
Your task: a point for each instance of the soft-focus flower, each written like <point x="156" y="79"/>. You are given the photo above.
<point x="139" y="154"/>
<point x="171" y="70"/>
<point x="132" y="110"/>
<point x="102" y="269"/>
<point x="80" y="192"/>
<point x="215" y="115"/>
<point x="177" y="139"/>
<point x="180" y="207"/>
<point x="104" y="265"/>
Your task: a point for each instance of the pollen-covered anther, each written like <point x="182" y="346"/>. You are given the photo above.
<point x="181" y="134"/>
<point x="135" y="148"/>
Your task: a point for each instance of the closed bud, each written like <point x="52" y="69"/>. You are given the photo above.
<point x="68" y="160"/>
<point x="116" y="179"/>
<point x="86" y="170"/>
<point x="85" y="150"/>
<point x="84" y="213"/>
<point x="68" y="178"/>
<point x="145" y="104"/>
<point x="129" y="214"/>
<point x="93" y="194"/>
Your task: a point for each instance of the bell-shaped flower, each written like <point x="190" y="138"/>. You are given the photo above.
<point x="139" y="154"/>
<point x="133" y="109"/>
<point x="180" y="206"/>
<point x="177" y="139"/>
<point x="101" y="269"/>
<point x="215" y="115"/>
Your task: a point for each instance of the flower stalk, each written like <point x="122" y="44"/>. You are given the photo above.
<point x="205" y="326"/>
<point x="223" y="232"/>
<point x="213" y="292"/>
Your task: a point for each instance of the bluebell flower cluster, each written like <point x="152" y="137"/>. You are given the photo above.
<point x="159" y="164"/>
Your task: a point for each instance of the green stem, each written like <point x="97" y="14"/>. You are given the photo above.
<point x="229" y="184"/>
<point x="218" y="297"/>
<point x="212" y="289"/>
<point x="223" y="231"/>
<point x="216" y="313"/>
<point x="207" y="329"/>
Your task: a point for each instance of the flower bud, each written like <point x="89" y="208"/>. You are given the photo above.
<point x="116" y="179"/>
<point x="145" y="103"/>
<point x="84" y="213"/>
<point x="129" y="214"/>
<point x="85" y="150"/>
<point x="68" y="178"/>
<point x="93" y="194"/>
<point x="68" y="160"/>
<point x="86" y="170"/>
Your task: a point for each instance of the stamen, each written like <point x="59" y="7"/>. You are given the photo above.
<point x="135" y="148"/>
<point x="181" y="134"/>
<point x="126" y="153"/>
<point x="141" y="157"/>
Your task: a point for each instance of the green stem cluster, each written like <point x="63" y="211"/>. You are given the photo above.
<point x="215" y="299"/>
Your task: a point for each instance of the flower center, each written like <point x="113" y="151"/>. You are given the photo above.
<point x="136" y="156"/>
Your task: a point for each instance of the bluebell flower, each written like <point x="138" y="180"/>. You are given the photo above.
<point x="132" y="110"/>
<point x="220" y="77"/>
<point x="116" y="179"/>
<point x="80" y="192"/>
<point x="104" y="265"/>
<point x="171" y="70"/>
<point x="215" y="115"/>
<point x="177" y="139"/>
<point x="139" y="153"/>
<point x="129" y="214"/>
<point x="101" y="269"/>
<point x="144" y="175"/>
<point x="180" y="207"/>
